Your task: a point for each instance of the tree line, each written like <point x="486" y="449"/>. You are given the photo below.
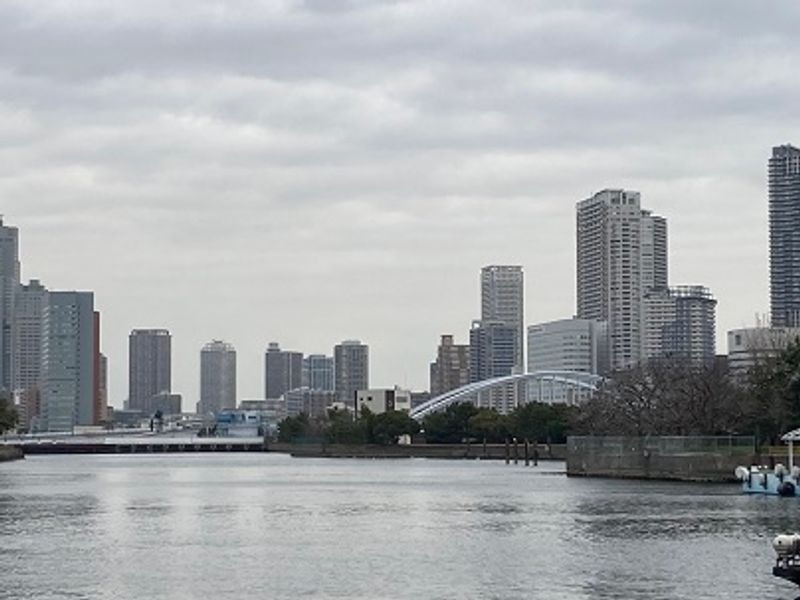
<point x="670" y="397"/>
<point x="458" y="423"/>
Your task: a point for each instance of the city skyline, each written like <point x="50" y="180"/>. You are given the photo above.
<point x="353" y="190"/>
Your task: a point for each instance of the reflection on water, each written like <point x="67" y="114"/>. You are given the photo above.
<point x="267" y="526"/>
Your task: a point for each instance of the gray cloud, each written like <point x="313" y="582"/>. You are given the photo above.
<point x="308" y="171"/>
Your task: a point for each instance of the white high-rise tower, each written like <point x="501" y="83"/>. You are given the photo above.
<point x="217" y="377"/>
<point x="621" y="255"/>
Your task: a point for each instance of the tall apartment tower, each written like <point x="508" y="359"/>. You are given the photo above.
<point x="502" y="301"/>
<point x="103" y="384"/>
<point x="9" y="283"/>
<point x="29" y="314"/>
<point x="69" y="381"/>
<point x="318" y="372"/>
<point x="283" y="371"/>
<point x="492" y="350"/>
<point x="217" y="377"/>
<point x="621" y="255"/>
<point x="99" y="399"/>
<point x="784" y="236"/>
<point x="149" y="367"/>
<point x="351" y="367"/>
<point x="679" y="323"/>
<point x="450" y="370"/>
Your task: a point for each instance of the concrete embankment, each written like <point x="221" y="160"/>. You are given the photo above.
<point x="10" y="453"/>
<point x="664" y="458"/>
<point x="194" y="445"/>
<point x="440" y="451"/>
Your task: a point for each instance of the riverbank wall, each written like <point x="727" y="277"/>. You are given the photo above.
<point x="701" y="459"/>
<point x="509" y="452"/>
<point x="8" y="453"/>
<point x="440" y="451"/>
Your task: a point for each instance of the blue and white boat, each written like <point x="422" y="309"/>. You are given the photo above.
<point x="778" y="481"/>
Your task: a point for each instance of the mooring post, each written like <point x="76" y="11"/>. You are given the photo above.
<point x="484" y="447"/>
<point x="527" y="453"/>
<point x="508" y="452"/>
<point x="516" y="452"/>
<point x="535" y="454"/>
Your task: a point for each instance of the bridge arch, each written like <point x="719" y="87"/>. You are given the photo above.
<point x="510" y="386"/>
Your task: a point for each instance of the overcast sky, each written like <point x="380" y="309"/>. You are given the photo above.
<point x="311" y="171"/>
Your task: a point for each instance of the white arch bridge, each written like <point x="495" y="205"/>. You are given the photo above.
<point x="508" y="392"/>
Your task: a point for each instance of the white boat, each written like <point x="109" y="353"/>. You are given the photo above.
<point x="777" y="481"/>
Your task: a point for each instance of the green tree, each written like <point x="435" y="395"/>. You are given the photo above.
<point x="774" y="391"/>
<point x="293" y="428"/>
<point x="386" y="428"/>
<point x="342" y="428"/>
<point x="539" y="422"/>
<point x="488" y="424"/>
<point x="450" y="426"/>
<point x="8" y="414"/>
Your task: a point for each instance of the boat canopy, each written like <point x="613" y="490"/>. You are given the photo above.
<point x="791" y="436"/>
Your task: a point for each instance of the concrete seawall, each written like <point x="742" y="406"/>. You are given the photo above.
<point x="8" y="453"/>
<point x="440" y="451"/>
<point x="194" y="445"/>
<point x="676" y="459"/>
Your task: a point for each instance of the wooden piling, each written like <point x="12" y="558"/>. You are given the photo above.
<point x="527" y="453"/>
<point x="508" y="453"/>
<point x="516" y="452"/>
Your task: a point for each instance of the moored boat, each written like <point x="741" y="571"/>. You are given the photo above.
<point x="778" y="481"/>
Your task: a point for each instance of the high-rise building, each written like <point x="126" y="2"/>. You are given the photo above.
<point x="68" y="361"/>
<point x="502" y="301"/>
<point x="104" y="385"/>
<point x="693" y="337"/>
<point x="579" y="345"/>
<point x="679" y="323"/>
<point x="149" y="367"/>
<point x="621" y="255"/>
<point x="493" y="353"/>
<point x="29" y="313"/>
<point x="217" y="377"/>
<point x="450" y="370"/>
<point x="283" y="371"/>
<point x="492" y="350"/>
<point x="351" y="370"/>
<point x="9" y="284"/>
<point x="98" y="393"/>
<point x="318" y="372"/>
<point x="784" y="236"/>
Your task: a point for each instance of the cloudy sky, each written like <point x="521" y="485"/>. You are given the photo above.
<point x="310" y="171"/>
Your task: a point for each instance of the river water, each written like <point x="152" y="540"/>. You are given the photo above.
<point x="230" y="526"/>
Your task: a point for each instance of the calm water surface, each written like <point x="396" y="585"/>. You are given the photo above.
<point x="227" y="527"/>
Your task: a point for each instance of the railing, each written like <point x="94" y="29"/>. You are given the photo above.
<point x="662" y="445"/>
